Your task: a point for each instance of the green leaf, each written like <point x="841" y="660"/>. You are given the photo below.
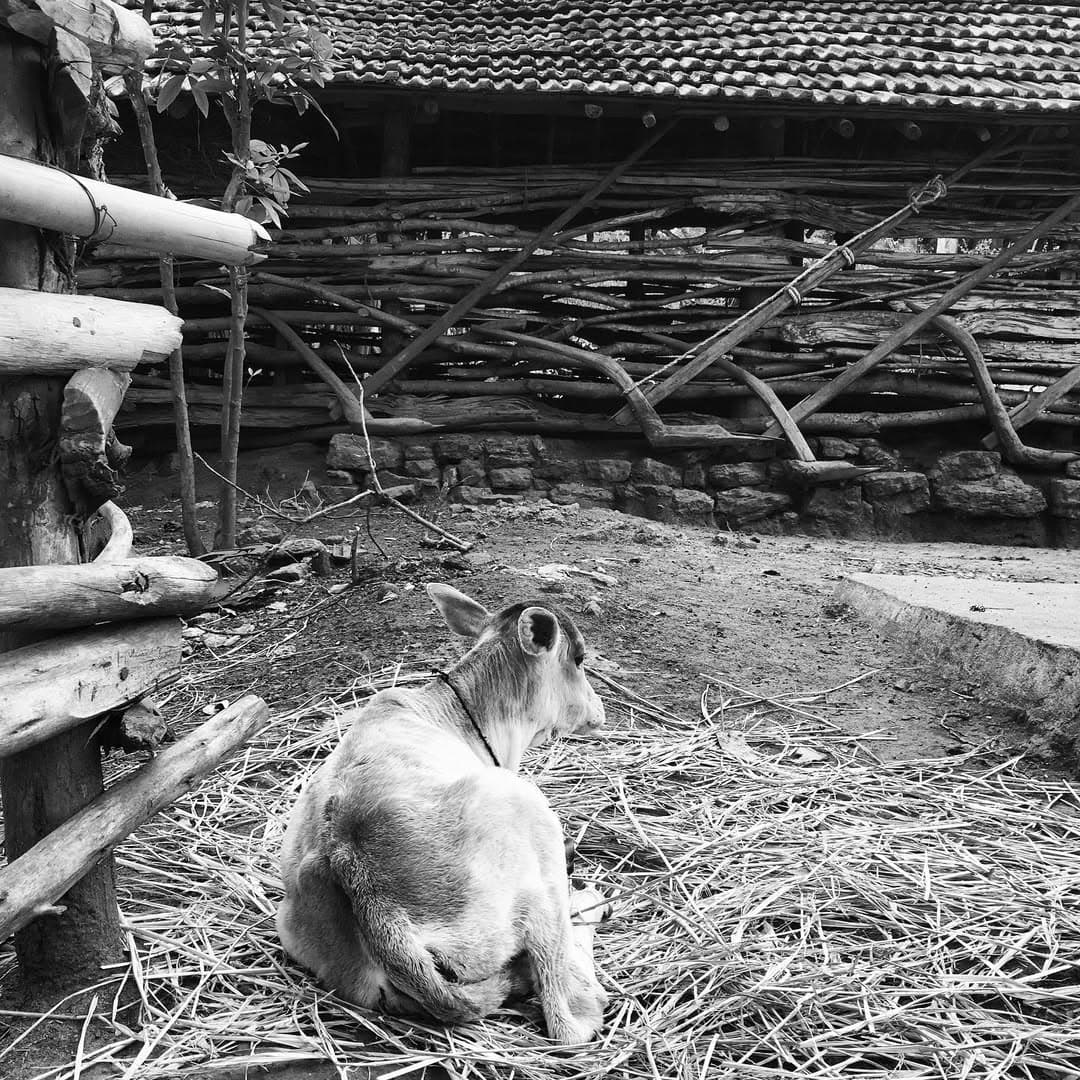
<point x="275" y="13"/>
<point x="321" y="45"/>
<point x="208" y="21"/>
<point x="169" y="92"/>
<point x="202" y="102"/>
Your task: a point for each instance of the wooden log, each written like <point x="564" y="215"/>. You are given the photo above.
<point x="56" y="334"/>
<point x="35" y="883"/>
<point x="92" y="399"/>
<point x="57" y="684"/>
<point x="56" y="200"/>
<point x="118" y="39"/>
<point x="40" y="598"/>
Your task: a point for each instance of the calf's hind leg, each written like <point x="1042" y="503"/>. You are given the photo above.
<point x="563" y="969"/>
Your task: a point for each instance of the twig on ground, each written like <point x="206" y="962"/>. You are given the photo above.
<point x="456" y="541"/>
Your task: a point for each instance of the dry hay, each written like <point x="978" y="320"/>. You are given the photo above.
<point x="780" y="909"/>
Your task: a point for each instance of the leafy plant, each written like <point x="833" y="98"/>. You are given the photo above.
<point x="217" y="66"/>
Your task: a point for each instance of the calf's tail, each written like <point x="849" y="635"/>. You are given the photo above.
<point x="389" y="934"/>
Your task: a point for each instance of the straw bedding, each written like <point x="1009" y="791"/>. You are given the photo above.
<point x="784" y="905"/>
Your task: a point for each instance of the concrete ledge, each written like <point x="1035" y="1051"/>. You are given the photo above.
<point x="1020" y="640"/>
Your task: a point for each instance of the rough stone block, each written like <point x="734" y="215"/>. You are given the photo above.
<point x="741" y="474"/>
<point x="651" y="471"/>
<point x="1003" y="495"/>
<point x="741" y="505"/>
<point x="456" y="447"/>
<point x="1072" y="470"/>
<point x="694" y="476"/>
<point x="418" y="451"/>
<point x="583" y="494"/>
<point x="608" y="470"/>
<point x="873" y="452"/>
<point x="831" y="448"/>
<point x="966" y="465"/>
<point x="905" y="492"/>
<point x="421" y="468"/>
<point x="840" y="509"/>
<point x="510" y="479"/>
<point x="347" y="451"/>
<point x="560" y="470"/>
<point x="1065" y="497"/>
<point x="692" y="505"/>
<point x="508" y="451"/>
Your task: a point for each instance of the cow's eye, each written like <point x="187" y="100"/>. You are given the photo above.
<point x="579" y="658"/>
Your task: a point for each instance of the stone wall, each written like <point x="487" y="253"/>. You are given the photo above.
<point x="956" y="495"/>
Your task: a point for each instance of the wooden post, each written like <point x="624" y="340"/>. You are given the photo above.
<point x="395" y="161"/>
<point x="44" y="786"/>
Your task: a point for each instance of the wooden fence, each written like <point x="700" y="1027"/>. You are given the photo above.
<point x="81" y="642"/>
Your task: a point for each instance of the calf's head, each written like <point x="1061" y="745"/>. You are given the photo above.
<point x="527" y="659"/>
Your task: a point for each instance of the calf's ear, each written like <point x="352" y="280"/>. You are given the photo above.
<point x="464" y="615"/>
<point x="538" y="631"/>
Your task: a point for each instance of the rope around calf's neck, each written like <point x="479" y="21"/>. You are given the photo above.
<point x="445" y="676"/>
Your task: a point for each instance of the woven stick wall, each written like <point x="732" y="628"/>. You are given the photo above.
<point x="664" y="258"/>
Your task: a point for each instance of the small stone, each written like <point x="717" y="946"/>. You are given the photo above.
<point x="291" y="572"/>
<point x="1072" y="470"/>
<point x="340" y="476"/>
<point x="191" y="633"/>
<point x="262" y="532"/>
<point x="220" y="641"/>
<point x="493" y="498"/>
<point x="404" y="493"/>
<point x="299" y="548"/>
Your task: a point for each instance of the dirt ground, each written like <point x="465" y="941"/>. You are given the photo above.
<point x="668" y="611"/>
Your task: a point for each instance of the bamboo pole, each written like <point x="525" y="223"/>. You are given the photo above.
<point x="53" y="199"/>
<point x="35" y="883"/>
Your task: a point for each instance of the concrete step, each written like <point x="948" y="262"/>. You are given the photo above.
<point x="1019" y="640"/>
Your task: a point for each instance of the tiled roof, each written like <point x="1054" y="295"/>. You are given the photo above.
<point x="983" y="55"/>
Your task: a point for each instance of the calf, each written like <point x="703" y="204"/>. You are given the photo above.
<point x="422" y="873"/>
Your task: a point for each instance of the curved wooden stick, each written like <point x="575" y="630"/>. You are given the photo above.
<point x="1012" y="446"/>
<point x="121" y="538"/>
